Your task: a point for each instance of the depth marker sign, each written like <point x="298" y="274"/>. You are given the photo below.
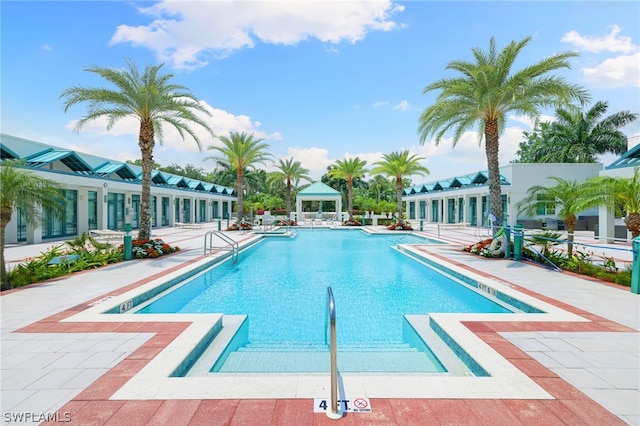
<point x="357" y="405"/>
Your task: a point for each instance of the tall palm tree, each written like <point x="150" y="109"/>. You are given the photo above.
<point x="621" y="195"/>
<point x="569" y="198"/>
<point x="397" y="165"/>
<point x="291" y="172"/>
<point x="242" y="152"/>
<point x="28" y="193"/>
<point x="151" y="99"/>
<point x="487" y="92"/>
<point x="577" y="137"/>
<point x="348" y="169"/>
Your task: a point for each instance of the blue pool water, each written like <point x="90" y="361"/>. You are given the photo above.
<point x="281" y="284"/>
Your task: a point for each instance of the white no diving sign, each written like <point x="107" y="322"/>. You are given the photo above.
<point x="356" y="405"/>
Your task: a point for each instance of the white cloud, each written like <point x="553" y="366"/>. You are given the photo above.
<point x="402" y="106"/>
<point x="468" y="157"/>
<point x="189" y="34"/>
<point x="314" y="159"/>
<point x="612" y="42"/>
<point x="380" y="103"/>
<point x="611" y="72"/>
<point x="615" y="72"/>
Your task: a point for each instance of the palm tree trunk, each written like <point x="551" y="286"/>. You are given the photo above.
<point x="350" y="197"/>
<point x="570" y="221"/>
<point x="399" y="197"/>
<point x="288" y="199"/>
<point x="491" y="148"/>
<point x="146" y="144"/>
<point x="633" y="224"/>
<point x="240" y="190"/>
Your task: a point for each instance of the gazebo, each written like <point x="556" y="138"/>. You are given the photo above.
<point x="318" y="191"/>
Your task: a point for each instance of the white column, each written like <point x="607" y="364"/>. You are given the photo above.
<point x="83" y="210"/>
<point x="606" y="225"/>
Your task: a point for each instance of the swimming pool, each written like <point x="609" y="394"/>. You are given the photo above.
<point x="281" y="285"/>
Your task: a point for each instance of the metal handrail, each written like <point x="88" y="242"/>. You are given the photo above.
<point x="331" y="307"/>
<point x="235" y="247"/>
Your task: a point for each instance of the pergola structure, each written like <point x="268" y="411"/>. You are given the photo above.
<point x="318" y="191"/>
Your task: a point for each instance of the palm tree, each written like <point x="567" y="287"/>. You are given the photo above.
<point x="291" y="172"/>
<point x="397" y="165"/>
<point x="487" y="92"/>
<point x="28" y="193"/>
<point x="621" y="195"/>
<point x="382" y="187"/>
<point x="577" y="137"/>
<point x="348" y="169"/>
<point x="242" y="152"/>
<point x="151" y="99"/>
<point x="568" y="197"/>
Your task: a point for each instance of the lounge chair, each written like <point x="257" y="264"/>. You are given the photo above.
<point x="183" y="225"/>
<point x="106" y="234"/>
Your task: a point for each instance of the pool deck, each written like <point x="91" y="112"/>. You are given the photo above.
<point x="70" y="371"/>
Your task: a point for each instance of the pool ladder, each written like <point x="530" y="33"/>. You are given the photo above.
<point x="333" y="412"/>
<point x="231" y="245"/>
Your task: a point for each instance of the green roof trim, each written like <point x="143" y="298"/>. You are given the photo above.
<point x="319" y="188"/>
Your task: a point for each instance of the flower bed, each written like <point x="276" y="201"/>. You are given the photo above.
<point x="242" y="226"/>
<point x="583" y="263"/>
<point x="150" y="248"/>
<point x="400" y="226"/>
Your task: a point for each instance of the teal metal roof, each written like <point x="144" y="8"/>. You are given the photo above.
<point x="158" y="178"/>
<point x="196" y="185"/>
<point x="68" y="158"/>
<point x="7" y="154"/>
<point x="178" y="181"/>
<point x="631" y="158"/>
<point x="121" y="169"/>
<point x="319" y="188"/>
<point x="457" y="182"/>
<point x="37" y="155"/>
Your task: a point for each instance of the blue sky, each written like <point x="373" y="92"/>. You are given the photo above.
<point x="318" y="80"/>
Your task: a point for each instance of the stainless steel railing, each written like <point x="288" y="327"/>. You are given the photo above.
<point x="333" y="411"/>
<point x="231" y="244"/>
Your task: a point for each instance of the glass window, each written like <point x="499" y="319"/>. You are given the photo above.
<point x="92" y="208"/>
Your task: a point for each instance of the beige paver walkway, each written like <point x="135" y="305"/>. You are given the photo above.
<point x="42" y="372"/>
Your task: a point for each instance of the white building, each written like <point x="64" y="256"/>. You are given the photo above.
<point x="465" y="199"/>
<point x="105" y="194"/>
<point x="626" y="166"/>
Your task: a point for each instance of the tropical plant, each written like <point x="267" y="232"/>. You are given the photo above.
<point x="531" y="149"/>
<point x="397" y="165"/>
<point x="150" y="98"/>
<point x="622" y="195"/>
<point x="290" y="172"/>
<point x="241" y="152"/>
<point x="24" y="191"/>
<point x="577" y="137"/>
<point x="487" y="92"/>
<point x="382" y="188"/>
<point x="569" y="198"/>
<point x="348" y="169"/>
<point x="59" y="261"/>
